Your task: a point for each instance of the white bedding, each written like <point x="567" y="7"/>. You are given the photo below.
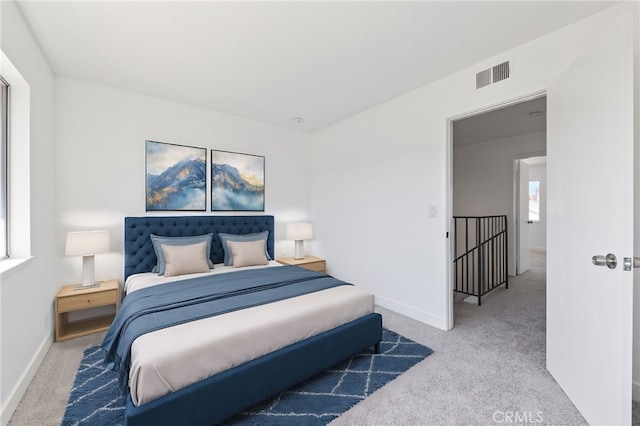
<point x="148" y="279"/>
<point x="167" y="360"/>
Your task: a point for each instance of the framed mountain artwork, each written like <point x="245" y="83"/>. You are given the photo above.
<point x="237" y="181"/>
<point x="176" y="177"/>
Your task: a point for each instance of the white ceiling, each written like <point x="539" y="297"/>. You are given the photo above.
<point x="518" y="119"/>
<point x="272" y="61"/>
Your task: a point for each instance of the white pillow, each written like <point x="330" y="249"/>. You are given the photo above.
<point x="247" y="253"/>
<point x="181" y="260"/>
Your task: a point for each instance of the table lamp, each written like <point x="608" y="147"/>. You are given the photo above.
<point x="299" y="232"/>
<point x="87" y="244"/>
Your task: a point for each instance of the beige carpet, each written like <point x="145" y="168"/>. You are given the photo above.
<point x="491" y="364"/>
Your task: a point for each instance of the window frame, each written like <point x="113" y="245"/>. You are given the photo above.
<point x="4" y="167"/>
<point x="529" y="218"/>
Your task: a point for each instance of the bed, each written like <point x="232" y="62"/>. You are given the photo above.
<point x="219" y="396"/>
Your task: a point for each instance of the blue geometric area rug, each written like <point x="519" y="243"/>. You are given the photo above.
<point x="96" y="400"/>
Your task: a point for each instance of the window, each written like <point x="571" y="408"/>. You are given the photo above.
<point x="534" y="200"/>
<point x="15" y="177"/>
<point x="4" y="135"/>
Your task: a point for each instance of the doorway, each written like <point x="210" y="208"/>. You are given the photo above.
<point x="487" y="149"/>
<point x="530" y="189"/>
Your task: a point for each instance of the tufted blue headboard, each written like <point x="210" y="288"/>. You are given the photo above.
<point x="138" y="250"/>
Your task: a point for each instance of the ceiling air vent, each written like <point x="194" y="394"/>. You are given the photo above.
<point x="493" y="75"/>
<point x="501" y="72"/>
<point x="483" y="78"/>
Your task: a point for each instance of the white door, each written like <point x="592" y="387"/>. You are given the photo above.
<point x="590" y="212"/>
<point x="523" y="218"/>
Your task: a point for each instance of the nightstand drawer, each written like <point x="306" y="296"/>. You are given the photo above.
<point x="88" y="300"/>
<point x="319" y="266"/>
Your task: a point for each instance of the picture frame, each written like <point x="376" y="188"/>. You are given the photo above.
<point x="237" y="181"/>
<point x="175" y="177"/>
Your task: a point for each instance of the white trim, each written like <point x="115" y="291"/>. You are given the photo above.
<point x="517" y="210"/>
<point x="18" y="160"/>
<point x="10" y="266"/>
<point x="515" y="206"/>
<point x="411" y="312"/>
<point x="535" y="94"/>
<point x="449" y="229"/>
<point x="455" y="116"/>
<point x="16" y="394"/>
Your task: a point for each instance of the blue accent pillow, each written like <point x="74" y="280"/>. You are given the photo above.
<point x="228" y="260"/>
<point x="178" y="241"/>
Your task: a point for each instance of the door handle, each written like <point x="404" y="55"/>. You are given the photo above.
<point x="631" y="262"/>
<point x="610" y="261"/>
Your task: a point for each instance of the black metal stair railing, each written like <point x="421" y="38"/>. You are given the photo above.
<point x="481" y="254"/>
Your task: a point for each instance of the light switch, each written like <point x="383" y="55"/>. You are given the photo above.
<point x="433" y="212"/>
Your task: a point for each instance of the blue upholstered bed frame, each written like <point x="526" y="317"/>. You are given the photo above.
<point x="138" y="249"/>
<point x="221" y="396"/>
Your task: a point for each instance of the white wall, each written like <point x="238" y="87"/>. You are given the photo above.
<point x="27" y="292"/>
<point x="100" y="158"/>
<point x="483" y="178"/>
<point x="376" y="174"/>
<point x="538" y="230"/>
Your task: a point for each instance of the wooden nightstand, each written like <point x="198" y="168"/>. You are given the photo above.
<point x="309" y="262"/>
<point x="70" y="300"/>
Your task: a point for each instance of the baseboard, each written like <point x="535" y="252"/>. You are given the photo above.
<point x="411" y="312"/>
<point x="636" y="391"/>
<point x="16" y="394"/>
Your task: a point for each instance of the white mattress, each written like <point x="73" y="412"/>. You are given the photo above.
<point x="166" y="360"/>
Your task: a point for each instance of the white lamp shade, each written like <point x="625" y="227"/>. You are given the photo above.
<point x="299" y="231"/>
<point x="83" y="243"/>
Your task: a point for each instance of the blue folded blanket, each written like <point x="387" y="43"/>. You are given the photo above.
<point x="173" y="303"/>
